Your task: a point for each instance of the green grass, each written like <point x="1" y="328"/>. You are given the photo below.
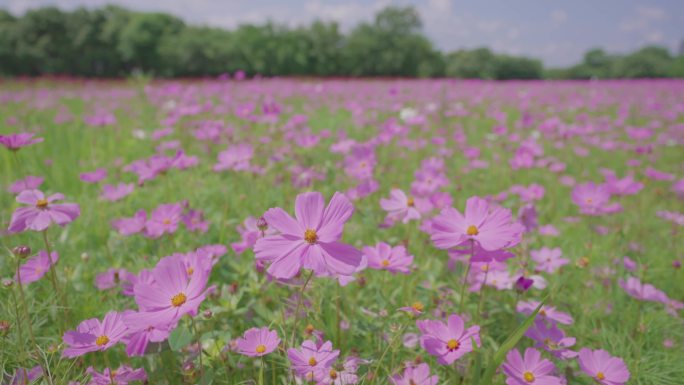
<point x="605" y="317"/>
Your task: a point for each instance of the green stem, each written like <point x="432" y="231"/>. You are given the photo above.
<point x="199" y="344"/>
<point x="23" y="304"/>
<point x="18" y="322"/>
<point x="482" y="296"/>
<point x="465" y="278"/>
<point x="261" y="372"/>
<point x="299" y="305"/>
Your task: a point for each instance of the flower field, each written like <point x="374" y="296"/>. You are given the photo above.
<point x="302" y="231"/>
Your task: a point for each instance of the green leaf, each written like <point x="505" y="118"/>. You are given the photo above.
<point x="179" y="338"/>
<point x="509" y="344"/>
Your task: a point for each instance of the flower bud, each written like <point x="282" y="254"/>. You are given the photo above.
<point x="207" y="313"/>
<point x="7" y="282"/>
<point x="4" y="327"/>
<point x="21" y="251"/>
<point x="261" y="224"/>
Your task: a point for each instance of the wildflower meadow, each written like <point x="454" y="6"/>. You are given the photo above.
<point x="238" y="230"/>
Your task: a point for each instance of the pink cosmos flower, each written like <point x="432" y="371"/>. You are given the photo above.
<point x="115" y="193"/>
<point x="257" y="342"/>
<point x="250" y="230"/>
<point x="530" y="369"/>
<point x="385" y="257"/>
<point x="492" y="228"/>
<point x="591" y="198"/>
<point x="121" y="376"/>
<point x="548" y="313"/>
<point x="642" y="291"/>
<point x="92" y="335"/>
<point x="194" y="221"/>
<point x="602" y="367"/>
<point x="311" y="240"/>
<point x="625" y="186"/>
<point x="448" y="342"/>
<point x="236" y="157"/>
<point x="403" y="208"/>
<point x="176" y="291"/>
<point x="548" y="260"/>
<point x="36" y="267"/>
<point x="415" y="375"/>
<point x="312" y="362"/>
<point x="28" y="183"/>
<point x="132" y="225"/>
<point x="24" y="376"/>
<point x="550" y="338"/>
<point x="111" y="278"/>
<point x="42" y="212"/>
<point x="141" y="334"/>
<point x="164" y="220"/>
<point x="14" y="142"/>
<point x="94" y="176"/>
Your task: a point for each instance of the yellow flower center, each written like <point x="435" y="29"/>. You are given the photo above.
<point x="190" y="270"/>
<point x="418" y="306"/>
<point x="166" y="221"/>
<point x="453" y="344"/>
<point x="260" y="348"/>
<point x="385" y="263"/>
<point x="310" y="236"/>
<point x="600" y="376"/>
<point x="333" y="374"/>
<point x="589" y="200"/>
<point x="42" y="203"/>
<point x="410" y="202"/>
<point x="411" y="382"/>
<point x="178" y="299"/>
<point x="309" y="329"/>
<point x="542" y="313"/>
<point x="528" y="376"/>
<point x="485" y="267"/>
<point x="472" y="230"/>
<point x="102" y="340"/>
<point x="312" y="361"/>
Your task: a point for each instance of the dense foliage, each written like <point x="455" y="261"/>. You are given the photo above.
<point x="113" y="41"/>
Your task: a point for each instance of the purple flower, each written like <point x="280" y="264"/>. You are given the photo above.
<point x="257" y="342"/>
<point x="92" y="335"/>
<point x="140" y="334"/>
<point x="28" y="183"/>
<point x="36" y="267"/>
<point x="448" y="342"/>
<point x="311" y="240"/>
<point x="312" y="362"/>
<point x="530" y="369"/>
<point x="552" y="339"/>
<point x="121" y="376"/>
<point x="602" y="367"/>
<point x="111" y="278"/>
<point x="194" y="221"/>
<point x="94" y="176"/>
<point x="493" y="228"/>
<point x="173" y="294"/>
<point x="642" y="291"/>
<point x="546" y="312"/>
<point x="163" y="220"/>
<point x="548" y="260"/>
<point x="114" y="193"/>
<point x="14" y="142"/>
<point x="130" y="226"/>
<point x="236" y="157"/>
<point x="42" y="212"/>
<point x="385" y="257"/>
<point x="415" y="375"/>
<point x="592" y="199"/>
<point x="24" y="376"/>
<point x="403" y="208"/>
<point x="250" y="231"/>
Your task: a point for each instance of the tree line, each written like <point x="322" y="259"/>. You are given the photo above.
<point x="113" y="41"/>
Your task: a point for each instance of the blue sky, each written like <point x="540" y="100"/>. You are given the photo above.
<point x="557" y="32"/>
